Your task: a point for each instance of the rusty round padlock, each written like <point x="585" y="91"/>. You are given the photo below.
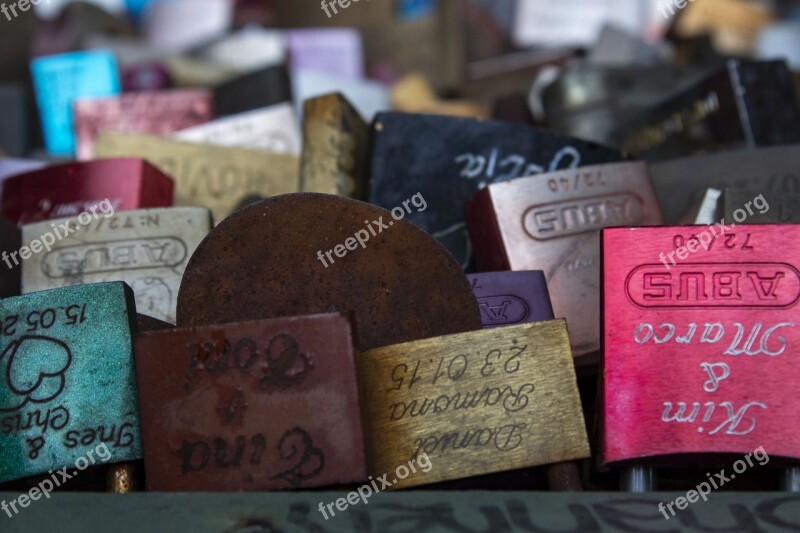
<point x="307" y="253"/>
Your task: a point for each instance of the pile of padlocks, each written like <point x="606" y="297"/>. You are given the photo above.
<point x="251" y="246"/>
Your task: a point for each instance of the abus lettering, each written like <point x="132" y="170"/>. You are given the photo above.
<point x="582" y="215"/>
<point x="114" y="255"/>
<point x="745" y="285"/>
<point x="506" y="309"/>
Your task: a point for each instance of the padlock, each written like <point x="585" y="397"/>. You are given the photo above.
<point x="10" y="167"/>
<point x="151" y="112"/>
<point x="59" y="80"/>
<point x="273" y="128"/>
<point x="335" y="140"/>
<point x="449" y="159"/>
<point x="551" y="222"/>
<point x="179" y="25"/>
<point x="187" y="71"/>
<point x="308" y="253"/>
<point x="84" y="189"/>
<point x="510" y="297"/>
<point x="257" y="405"/>
<point x="591" y="100"/>
<point x="473" y="403"/>
<point x="253" y="90"/>
<point x="68" y="391"/>
<point x="699" y="328"/>
<point x="147" y="248"/>
<point x="246" y="50"/>
<point x="738" y="104"/>
<point x="680" y="183"/>
<point x="756" y="207"/>
<point x="507" y="298"/>
<point x="335" y="51"/>
<point x="439" y="37"/>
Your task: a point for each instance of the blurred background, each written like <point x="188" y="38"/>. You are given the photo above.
<point x="579" y="66"/>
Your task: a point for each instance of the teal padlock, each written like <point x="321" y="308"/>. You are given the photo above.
<point x="67" y="384"/>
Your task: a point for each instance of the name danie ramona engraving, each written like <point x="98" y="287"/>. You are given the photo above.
<point x="455" y="374"/>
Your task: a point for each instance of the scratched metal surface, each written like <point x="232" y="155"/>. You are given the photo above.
<point x="67" y="365"/>
<point x="700" y="353"/>
<point x="418" y="511"/>
<point x="282" y="393"/>
<point x="262" y="262"/>
<point x="449" y="159"/>
<point x="552" y="222"/>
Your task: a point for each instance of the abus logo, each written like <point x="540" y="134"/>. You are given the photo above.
<point x="503" y="309"/>
<point x="132" y="254"/>
<point x="714" y="285"/>
<point x="571" y="217"/>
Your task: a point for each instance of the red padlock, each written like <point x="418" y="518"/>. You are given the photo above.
<point x="256" y="405"/>
<point x="700" y="340"/>
<point x="74" y="188"/>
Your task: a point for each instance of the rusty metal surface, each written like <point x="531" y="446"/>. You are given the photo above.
<point x="262" y="262"/>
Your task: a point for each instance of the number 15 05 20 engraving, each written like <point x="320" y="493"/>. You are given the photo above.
<point x="44" y="319"/>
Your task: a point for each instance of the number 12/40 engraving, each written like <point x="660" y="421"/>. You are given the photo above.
<point x="730" y="241"/>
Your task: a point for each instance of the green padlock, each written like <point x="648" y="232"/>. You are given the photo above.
<point x="67" y="383"/>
